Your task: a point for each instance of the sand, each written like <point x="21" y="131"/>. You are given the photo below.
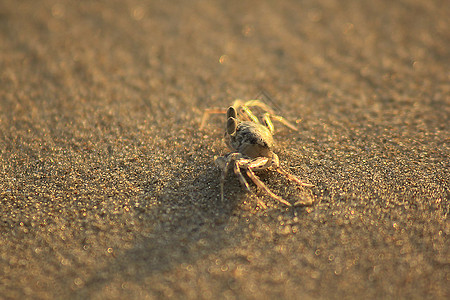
<point x="109" y="189"/>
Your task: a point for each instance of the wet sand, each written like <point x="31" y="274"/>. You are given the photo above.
<point x="108" y="187"/>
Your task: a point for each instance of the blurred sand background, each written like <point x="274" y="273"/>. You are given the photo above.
<point x="109" y="189"/>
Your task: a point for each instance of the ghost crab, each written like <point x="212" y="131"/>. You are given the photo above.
<point x="250" y="139"/>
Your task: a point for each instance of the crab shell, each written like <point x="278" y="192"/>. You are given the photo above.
<point x="251" y="139"/>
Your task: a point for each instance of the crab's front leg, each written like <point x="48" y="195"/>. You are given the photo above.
<point x="237" y="172"/>
<point x="293" y="177"/>
<point x="261" y="164"/>
<point x="275" y="162"/>
<point x="222" y="163"/>
<point x="262" y="186"/>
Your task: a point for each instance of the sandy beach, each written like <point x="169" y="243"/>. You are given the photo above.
<point x="108" y="185"/>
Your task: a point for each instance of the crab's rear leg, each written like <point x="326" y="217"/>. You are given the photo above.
<point x="260" y="104"/>
<point x="267" y="118"/>
<point x="284" y="122"/>
<point x="207" y="113"/>
<point x="270" y="114"/>
<point x="249" y="116"/>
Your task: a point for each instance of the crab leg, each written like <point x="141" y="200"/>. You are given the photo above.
<point x="223" y="163"/>
<point x="210" y="111"/>
<point x="222" y="180"/>
<point x="292" y="177"/>
<point x="270" y="113"/>
<point x="250" y="115"/>
<point x="221" y="188"/>
<point x="284" y="121"/>
<point x="237" y="171"/>
<point x="261" y="185"/>
<point x="260" y="104"/>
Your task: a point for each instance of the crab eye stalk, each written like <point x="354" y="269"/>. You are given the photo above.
<point x="231" y="125"/>
<point x="231" y="112"/>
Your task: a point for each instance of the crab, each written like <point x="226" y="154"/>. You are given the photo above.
<point x="251" y="140"/>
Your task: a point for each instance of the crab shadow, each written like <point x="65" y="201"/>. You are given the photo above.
<point x="188" y="222"/>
